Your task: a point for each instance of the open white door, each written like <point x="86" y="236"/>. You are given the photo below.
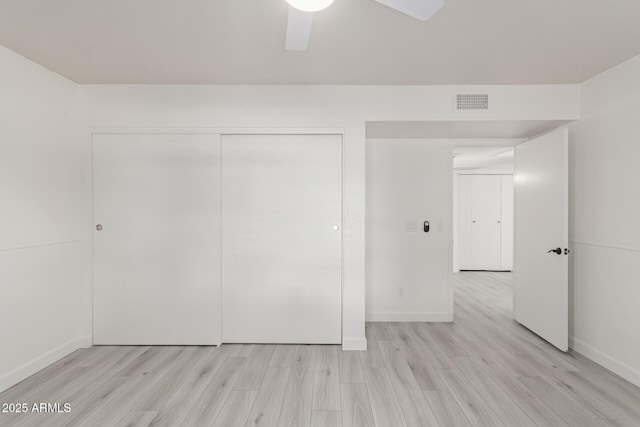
<point x="541" y="237"/>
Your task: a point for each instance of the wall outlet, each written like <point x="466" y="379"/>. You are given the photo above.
<point x="400" y="292"/>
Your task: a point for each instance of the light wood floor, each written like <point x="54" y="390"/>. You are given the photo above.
<point x="482" y="370"/>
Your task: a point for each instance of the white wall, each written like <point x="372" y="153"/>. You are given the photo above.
<point x="604" y="221"/>
<point x="42" y="196"/>
<point x="408" y="270"/>
<point x="345" y="107"/>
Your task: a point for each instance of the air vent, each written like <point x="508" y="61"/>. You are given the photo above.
<point x="472" y="102"/>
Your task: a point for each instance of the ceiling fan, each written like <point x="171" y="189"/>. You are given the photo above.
<point x="301" y="16"/>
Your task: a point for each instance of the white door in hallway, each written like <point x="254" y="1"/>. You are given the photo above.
<point x="485" y="222"/>
<point x="541" y="237"/>
<point x="281" y="234"/>
<point x="486" y="238"/>
<point x="156" y="246"/>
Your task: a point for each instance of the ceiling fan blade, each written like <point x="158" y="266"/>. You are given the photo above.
<point x="419" y="9"/>
<point x="298" y="29"/>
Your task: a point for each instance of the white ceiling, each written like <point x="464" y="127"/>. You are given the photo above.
<point x="352" y="42"/>
<point x="494" y="158"/>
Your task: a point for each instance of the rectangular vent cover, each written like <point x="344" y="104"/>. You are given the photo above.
<point x="472" y="102"/>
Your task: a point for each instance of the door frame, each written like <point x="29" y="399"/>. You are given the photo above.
<point x="220" y="131"/>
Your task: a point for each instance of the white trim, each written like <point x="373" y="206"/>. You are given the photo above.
<point x="169" y="130"/>
<point x="27" y="369"/>
<point x="354" y="344"/>
<point x="606" y="245"/>
<point x="454" y="221"/>
<point x="409" y="317"/>
<point x="85" y="342"/>
<point x="38" y="245"/>
<point x="487" y="142"/>
<point x="452" y="261"/>
<point x="614" y="365"/>
<point x="343" y="221"/>
<point x="482" y="172"/>
<point x="514" y="301"/>
<point x="547" y="132"/>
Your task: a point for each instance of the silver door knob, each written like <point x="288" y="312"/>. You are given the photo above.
<point x="335" y="227"/>
<point x="99" y="227"/>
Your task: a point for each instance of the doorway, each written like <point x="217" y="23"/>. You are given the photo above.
<point x="483" y="208"/>
<point x="483" y="205"/>
<point x="540" y="301"/>
<point x="404" y="160"/>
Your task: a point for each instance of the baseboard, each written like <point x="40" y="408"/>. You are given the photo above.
<point x="354" y="344"/>
<point x="85" y="342"/>
<point x="625" y="371"/>
<point x="25" y="371"/>
<point x="409" y="317"/>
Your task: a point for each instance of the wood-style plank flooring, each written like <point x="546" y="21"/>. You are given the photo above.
<point x="482" y="370"/>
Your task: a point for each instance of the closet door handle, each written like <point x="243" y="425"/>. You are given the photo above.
<point x="557" y="251"/>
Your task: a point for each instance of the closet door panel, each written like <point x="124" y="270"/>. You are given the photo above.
<point x="156" y="244"/>
<point x="486" y="228"/>
<point x="281" y="233"/>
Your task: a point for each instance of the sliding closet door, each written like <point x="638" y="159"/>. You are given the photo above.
<point x="281" y="234"/>
<point x="156" y="201"/>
